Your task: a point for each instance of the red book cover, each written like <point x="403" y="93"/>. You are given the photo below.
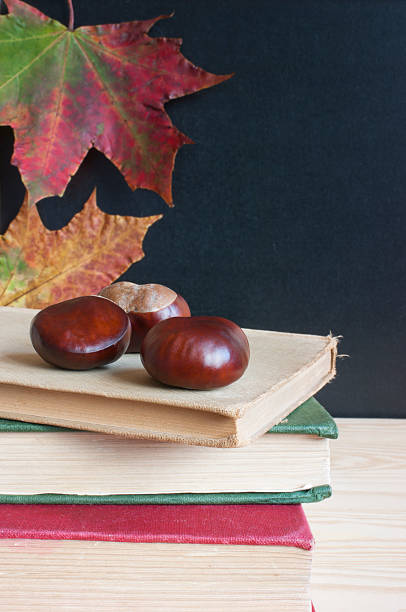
<point x="274" y="525"/>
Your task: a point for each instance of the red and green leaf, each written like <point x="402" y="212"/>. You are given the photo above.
<point x="105" y="86"/>
<point x="39" y="267"/>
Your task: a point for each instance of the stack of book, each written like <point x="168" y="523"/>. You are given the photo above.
<point x="207" y="486"/>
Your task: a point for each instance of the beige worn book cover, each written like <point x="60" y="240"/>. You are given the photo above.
<point x="284" y="370"/>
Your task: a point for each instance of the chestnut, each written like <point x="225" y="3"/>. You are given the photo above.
<point x="81" y="333"/>
<point x="195" y="352"/>
<point x="145" y="305"/>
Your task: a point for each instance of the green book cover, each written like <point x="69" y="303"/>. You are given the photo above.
<point x="308" y="419"/>
<point x="294" y="497"/>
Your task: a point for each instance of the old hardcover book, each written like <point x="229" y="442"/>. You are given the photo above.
<point x="284" y="370"/>
<point x="157" y="557"/>
<point x="290" y="464"/>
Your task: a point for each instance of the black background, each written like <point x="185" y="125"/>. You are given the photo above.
<point x="290" y="208"/>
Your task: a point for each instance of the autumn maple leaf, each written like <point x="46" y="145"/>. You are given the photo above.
<point x="64" y="91"/>
<point x="39" y="267"/>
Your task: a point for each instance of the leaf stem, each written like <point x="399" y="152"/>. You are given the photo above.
<point x="71" y="15"/>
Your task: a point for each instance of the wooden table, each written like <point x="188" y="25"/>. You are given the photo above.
<point x="360" y="558"/>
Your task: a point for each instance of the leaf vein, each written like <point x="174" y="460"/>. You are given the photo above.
<point x="63" y="272"/>
<point x="122" y="114"/>
<point x="125" y="60"/>
<point x="57" y="110"/>
<point x="13" y="40"/>
<point x="19" y="73"/>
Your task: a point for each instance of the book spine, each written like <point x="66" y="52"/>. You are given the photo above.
<point x="314" y="494"/>
<point x="268" y="525"/>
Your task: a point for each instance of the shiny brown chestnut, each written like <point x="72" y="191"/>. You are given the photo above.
<point x="82" y="333"/>
<point x="145" y="305"/>
<point x="195" y="352"/>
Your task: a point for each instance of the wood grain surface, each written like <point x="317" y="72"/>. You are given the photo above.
<point x="359" y="561"/>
